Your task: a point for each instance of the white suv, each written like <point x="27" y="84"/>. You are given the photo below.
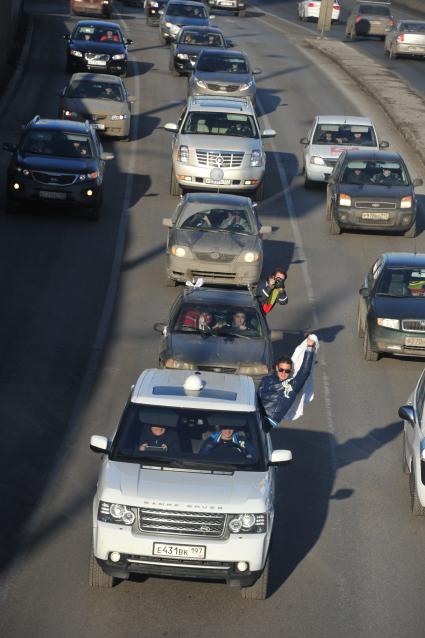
<point x="187" y="484"/>
<point x="217" y="143"/>
<point x="329" y="136"/>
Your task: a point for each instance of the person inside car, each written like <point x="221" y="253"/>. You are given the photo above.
<point x="235" y="221"/>
<point x="109" y="36"/>
<point x="355" y="176"/>
<point x="157" y="436"/>
<point x="386" y="176"/>
<point x="226" y="441"/>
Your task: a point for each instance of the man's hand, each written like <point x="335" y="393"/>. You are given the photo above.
<point x="142" y="447"/>
<point x="311" y="343"/>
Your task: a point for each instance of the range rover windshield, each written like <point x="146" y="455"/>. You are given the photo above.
<point x="180" y="437"/>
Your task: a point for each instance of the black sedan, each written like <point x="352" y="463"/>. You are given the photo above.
<point x="190" y="42"/>
<point x="371" y="190"/>
<point x="391" y="315"/>
<point x="56" y="162"/>
<point x="95" y="45"/>
<point x="218" y="331"/>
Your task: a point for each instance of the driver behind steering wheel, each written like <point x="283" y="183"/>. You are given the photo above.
<point x="157" y="436"/>
<point x="234" y="221"/>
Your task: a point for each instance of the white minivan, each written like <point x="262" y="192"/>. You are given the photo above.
<point x="187" y="484"/>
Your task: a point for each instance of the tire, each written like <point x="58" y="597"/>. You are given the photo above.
<point x="404" y="465"/>
<point x="259" y="590"/>
<point x="259" y="193"/>
<point x="415" y="504"/>
<point x="369" y="354"/>
<point x="97" y="577"/>
<point x="175" y="188"/>
<point x="412" y="230"/>
<point x="360" y="328"/>
<point x="334" y="227"/>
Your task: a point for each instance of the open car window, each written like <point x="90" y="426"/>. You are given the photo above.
<point x="181" y="437"/>
<point x="239" y="220"/>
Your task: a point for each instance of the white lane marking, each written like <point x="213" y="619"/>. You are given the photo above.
<point x="102" y="331"/>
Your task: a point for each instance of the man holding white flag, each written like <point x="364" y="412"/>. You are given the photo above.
<point x="284" y="392"/>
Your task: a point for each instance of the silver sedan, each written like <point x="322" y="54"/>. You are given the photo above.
<point x="407" y="37"/>
<point x="216" y="237"/>
<point x="224" y="73"/>
<point x="102" y="99"/>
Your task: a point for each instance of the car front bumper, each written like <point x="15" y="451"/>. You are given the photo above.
<point x="354" y="218"/>
<point x="222" y="555"/>
<point x="213" y="272"/>
<point x="397" y="342"/>
<point x="31" y="191"/>
<point x="114" y="67"/>
<point x="194" y="177"/>
<point x="402" y="48"/>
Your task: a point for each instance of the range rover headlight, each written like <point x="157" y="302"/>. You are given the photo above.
<point x="394" y="324"/>
<point x="247" y="523"/>
<point x="115" y="513"/>
<point x="24" y="171"/>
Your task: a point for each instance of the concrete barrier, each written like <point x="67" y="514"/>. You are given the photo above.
<point x="415" y="5"/>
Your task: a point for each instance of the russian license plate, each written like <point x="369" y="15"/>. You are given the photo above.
<point x="218" y="182"/>
<point x="227" y="3"/>
<point x="375" y="215"/>
<point x="418" y="342"/>
<point x="100" y="127"/>
<point x="188" y="552"/>
<point x="52" y="195"/>
<point x="97" y="63"/>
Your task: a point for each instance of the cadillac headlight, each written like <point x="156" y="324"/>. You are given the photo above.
<point x="183" y="153"/>
<point x="394" y="324"/>
<point x="115" y="513"/>
<point x="256" y="158"/>
<point x="247" y="523"/>
<point x="315" y="159"/>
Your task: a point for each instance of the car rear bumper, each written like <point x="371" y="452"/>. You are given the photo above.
<point x="213" y="272"/>
<point x="354" y="218"/>
<point x="396" y="342"/>
<point x="402" y="48"/>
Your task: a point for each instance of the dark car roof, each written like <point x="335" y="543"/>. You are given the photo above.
<point x="98" y="23"/>
<point x="218" y="198"/>
<point x="216" y="295"/>
<point x="64" y="125"/>
<point x="201" y="28"/>
<point x="379" y="156"/>
<point x="404" y="259"/>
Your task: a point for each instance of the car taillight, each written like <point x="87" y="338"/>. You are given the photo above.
<point x="400" y="38"/>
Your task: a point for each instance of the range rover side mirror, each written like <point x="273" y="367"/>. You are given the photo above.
<point x="280" y="457"/>
<point x="364" y="292"/>
<point x="167" y="222"/>
<point x="61" y="92"/>
<point x="99" y="444"/>
<point x="418" y="181"/>
<point x="407" y="413"/>
<point x="66" y="36"/>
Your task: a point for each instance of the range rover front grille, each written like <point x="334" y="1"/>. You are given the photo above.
<point x="181" y="523"/>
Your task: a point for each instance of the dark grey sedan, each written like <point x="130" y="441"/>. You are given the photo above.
<point x="185" y="50"/>
<point x="102" y="99"/>
<point x="224" y="73"/>
<point x="218" y="331"/>
<point x="217" y="237"/>
<point x="371" y="190"/>
<point x="391" y="316"/>
<point x="178" y="14"/>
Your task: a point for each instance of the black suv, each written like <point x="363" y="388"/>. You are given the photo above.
<point x="57" y="162"/>
<point x="97" y="45"/>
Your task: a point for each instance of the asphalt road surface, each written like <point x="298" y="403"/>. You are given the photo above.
<point x="78" y="303"/>
<point x="410" y="69"/>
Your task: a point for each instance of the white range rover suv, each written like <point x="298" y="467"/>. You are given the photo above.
<point x="187" y="484"/>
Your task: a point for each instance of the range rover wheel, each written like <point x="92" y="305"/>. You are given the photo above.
<point x="260" y="589"/>
<point x="415" y="504"/>
<point x="175" y="188"/>
<point x="369" y="354"/>
<point x="97" y="577"/>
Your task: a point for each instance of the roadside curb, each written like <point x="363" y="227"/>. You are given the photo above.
<point x="20" y="67"/>
<point x="404" y="107"/>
